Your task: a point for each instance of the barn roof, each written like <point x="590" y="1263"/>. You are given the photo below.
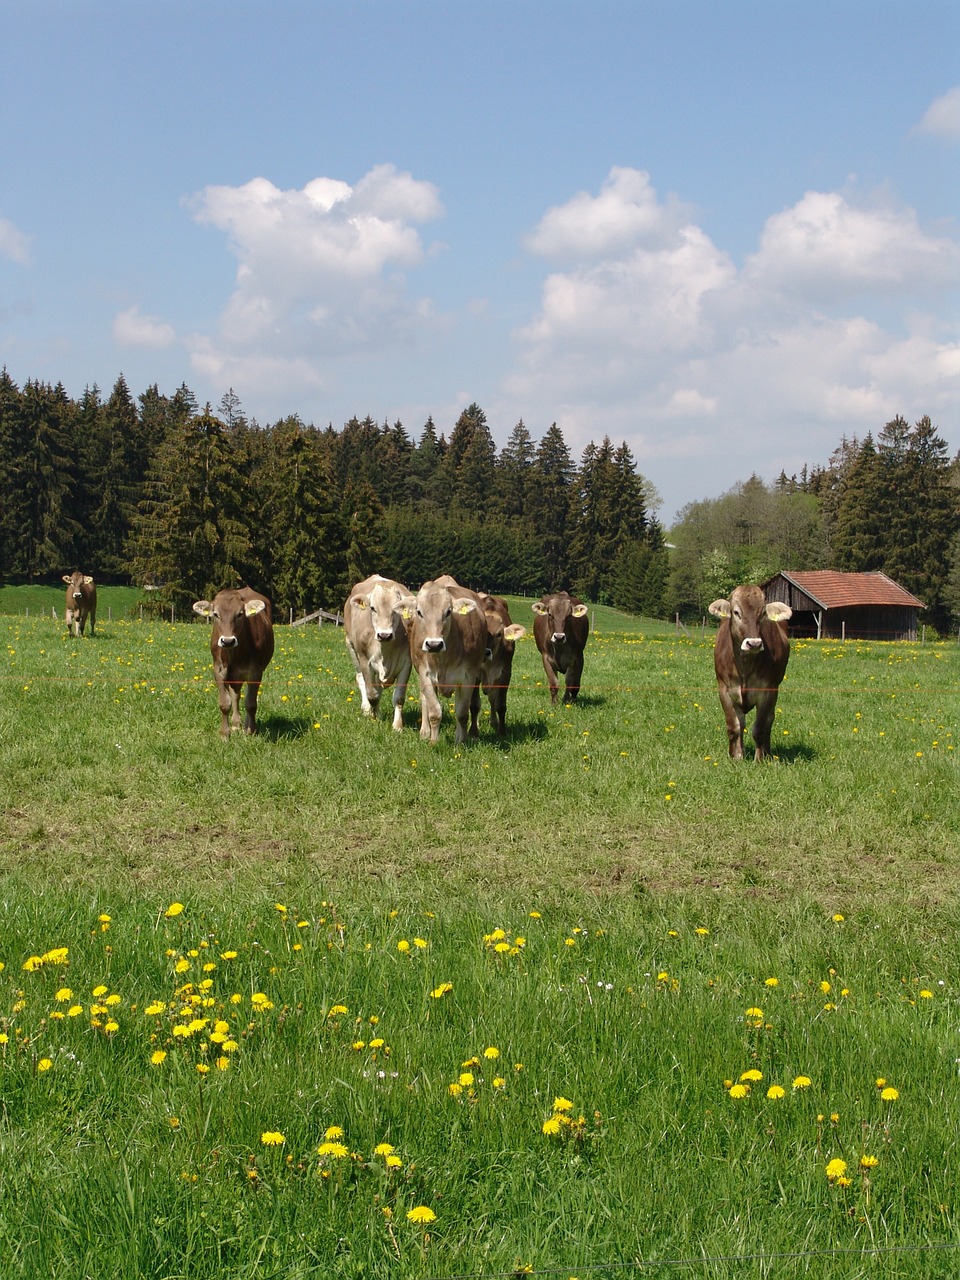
<point x="833" y="590"/>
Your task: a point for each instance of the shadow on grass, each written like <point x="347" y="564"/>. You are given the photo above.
<point x="796" y="752"/>
<point x="282" y="728"/>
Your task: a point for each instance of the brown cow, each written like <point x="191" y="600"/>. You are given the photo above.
<point x="241" y="643"/>
<point x="560" y="628"/>
<point x="377" y="641"/>
<point x="502" y="637"/>
<point x="81" y="602"/>
<point x="750" y="657"/>
<point x="448" y="641"/>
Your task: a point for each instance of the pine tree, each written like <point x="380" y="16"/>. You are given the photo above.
<point x="549" y="507"/>
<point x="515" y="473"/>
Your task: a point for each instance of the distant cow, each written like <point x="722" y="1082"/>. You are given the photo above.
<point x="241" y="643"/>
<point x="750" y="657"/>
<point x="81" y="602"/>
<point x="502" y="637"/>
<point x="448" y="641"/>
<point x="378" y="644"/>
<point x="560" y="628"/>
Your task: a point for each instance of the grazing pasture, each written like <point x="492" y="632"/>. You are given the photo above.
<point x="332" y="1002"/>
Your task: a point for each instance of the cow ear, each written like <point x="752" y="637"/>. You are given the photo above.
<point x="539" y="607"/>
<point x="253" y="607"/>
<point x="88" y="580"/>
<point x="579" y="610"/>
<point x="203" y="607"/>
<point x="66" y="577"/>
<point x="465" y="605"/>
<point x="359" y="602"/>
<point x="514" y="632"/>
<point x="777" y="611"/>
<point x="720" y="609"/>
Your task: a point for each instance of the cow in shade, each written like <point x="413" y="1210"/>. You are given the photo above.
<point x="750" y="658"/>
<point x="81" y="602"/>
<point x="378" y="644"/>
<point x="560" y="628"/>
<point x="241" y="643"/>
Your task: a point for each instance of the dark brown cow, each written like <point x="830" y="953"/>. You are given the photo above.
<point x="377" y="642"/>
<point x="560" y="628"/>
<point x="448" y="641"/>
<point x="81" y="602"/>
<point x="502" y="637"/>
<point x="241" y="643"/>
<point x="750" y="658"/>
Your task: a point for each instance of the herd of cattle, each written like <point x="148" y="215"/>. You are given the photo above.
<point x="461" y="641"/>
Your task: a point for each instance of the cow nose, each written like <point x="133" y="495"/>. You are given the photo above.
<point x="751" y="644"/>
<point x="434" y="645"/>
<point x="384" y="635"/>
<point x="559" y="637"/>
<point x="77" y="595"/>
<point x="227" y="642"/>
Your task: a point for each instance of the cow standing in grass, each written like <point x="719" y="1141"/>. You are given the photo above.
<point x="81" y="602"/>
<point x="560" y="628"/>
<point x="377" y="642"/>
<point x="241" y="643"/>
<point x="502" y="637"/>
<point x="750" y="658"/>
<point x="448" y="641"/>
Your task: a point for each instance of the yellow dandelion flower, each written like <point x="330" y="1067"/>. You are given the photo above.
<point x="836" y="1169"/>
<point x="333" y="1133"/>
<point x="802" y="1082"/>
<point x="738" y="1090"/>
<point x="466" y="1079"/>
<point x="44" y="1064"/>
<point x="926" y="995"/>
<point x="383" y="1149"/>
<point x="491" y="1052"/>
<point x="776" y="1091"/>
<point x="752" y="1074"/>
<point x="838" y="918"/>
<point x="393" y="1162"/>
<point x="65" y="994"/>
<point x="222" y="1064"/>
<point x="701" y="932"/>
<point x="455" y="1089"/>
<point x="442" y="990"/>
<point x="552" y="1126"/>
<point x="499" y="1082"/>
<point x="403" y="945"/>
<point x="202" y="1068"/>
<point x="174" y="909"/>
<point x="890" y="1094"/>
<point x="75" y="1010"/>
<point x="754" y="1013"/>
<point x="422" y="1216"/>
<point x="272" y="1138"/>
<point x="562" y="1104"/>
<point x="336" y="1009"/>
<point x="335" y="1150"/>
<point x="771" y="982"/>
<point x="868" y="1162"/>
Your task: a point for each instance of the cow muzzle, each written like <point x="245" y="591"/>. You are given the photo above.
<point x="751" y="644"/>
<point x="78" y="595"/>
<point x="383" y="635"/>
<point x="559" y="637"/>
<point x="227" y="642"/>
<point x="433" y="644"/>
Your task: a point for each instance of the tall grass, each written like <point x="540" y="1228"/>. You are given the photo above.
<point x="606" y="895"/>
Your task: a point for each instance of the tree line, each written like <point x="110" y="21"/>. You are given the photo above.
<point x="890" y="504"/>
<point x="158" y="492"/>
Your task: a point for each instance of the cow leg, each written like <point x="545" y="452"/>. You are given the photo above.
<point x="735" y="717"/>
<point x="466" y="709"/>
<point x="763" y="724"/>
<point x="229" y="708"/>
<point x="431" y="712"/>
<point x="250" y="706"/>
<point x="572" y="684"/>
<point x="399" y="698"/>
<point x="498" y="709"/>
<point x="369" y="694"/>
<point x="552" y="681"/>
<point x="93" y="619"/>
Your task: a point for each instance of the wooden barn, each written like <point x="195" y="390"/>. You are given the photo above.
<point x="853" y="606"/>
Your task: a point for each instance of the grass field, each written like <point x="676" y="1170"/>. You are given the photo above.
<point x="543" y="994"/>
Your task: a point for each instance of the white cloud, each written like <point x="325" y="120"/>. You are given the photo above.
<point x="13" y="243"/>
<point x="131" y="329"/>
<point x="626" y="213"/>
<point x="320" y="270"/>
<point x="823" y="246"/>
<point x="942" y="117"/>
<point x="655" y="336"/>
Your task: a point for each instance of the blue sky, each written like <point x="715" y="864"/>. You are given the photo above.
<point x="726" y="233"/>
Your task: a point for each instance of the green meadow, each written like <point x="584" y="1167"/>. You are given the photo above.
<point x="591" y="999"/>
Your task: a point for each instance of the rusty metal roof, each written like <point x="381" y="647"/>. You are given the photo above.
<point x="833" y="590"/>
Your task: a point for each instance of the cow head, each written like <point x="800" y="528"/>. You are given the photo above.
<point x="76" y="582"/>
<point x="747" y="609"/>
<point x="434" y="609"/>
<point x="385" y="605"/>
<point x="229" y="611"/>
<point x="558" y="610"/>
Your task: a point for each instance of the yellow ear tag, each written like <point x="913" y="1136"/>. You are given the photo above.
<point x="464" y="608"/>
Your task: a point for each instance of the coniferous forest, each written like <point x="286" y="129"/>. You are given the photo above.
<point x="155" y="490"/>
